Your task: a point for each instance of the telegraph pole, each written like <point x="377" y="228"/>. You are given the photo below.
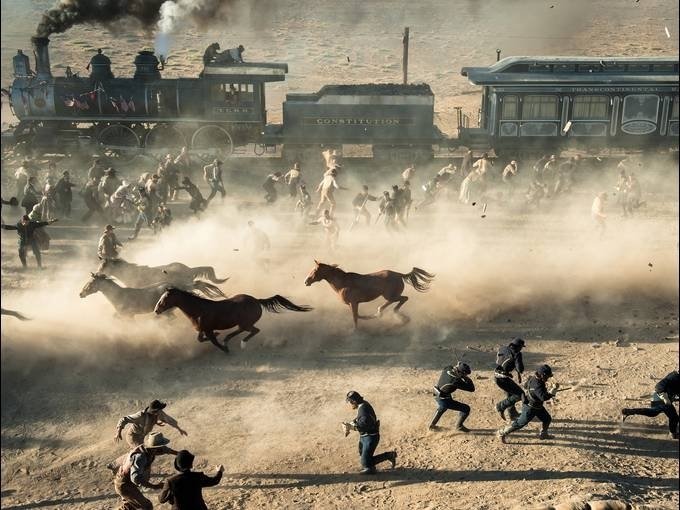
<point x="405" y="58"/>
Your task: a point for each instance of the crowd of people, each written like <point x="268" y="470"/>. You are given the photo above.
<point x="143" y="201"/>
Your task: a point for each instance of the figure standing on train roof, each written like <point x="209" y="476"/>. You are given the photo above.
<point x="100" y="66"/>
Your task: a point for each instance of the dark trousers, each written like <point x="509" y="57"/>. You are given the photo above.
<point x="215" y="187"/>
<point x="656" y="408"/>
<point x="23" y="248"/>
<point x="512" y="391"/>
<point x="448" y="403"/>
<point x="93" y="207"/>
<point x="367" y="446"/>
<point x="529" y="413"/>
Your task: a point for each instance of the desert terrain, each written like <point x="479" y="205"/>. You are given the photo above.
<point x="602" y="312"/>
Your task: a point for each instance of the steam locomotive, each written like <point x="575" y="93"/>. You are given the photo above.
<point x="528" y="104"/>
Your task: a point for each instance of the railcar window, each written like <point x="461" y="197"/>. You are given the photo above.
<point x="590" y="107"/>
<point x="509" y="111"/>
<point x="232" y="93"/>
<point x="674" y="110"/>
<point x="540" y="108"/>
<point x="643" y="107"/>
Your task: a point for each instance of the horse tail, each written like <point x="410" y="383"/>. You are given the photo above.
<point x="210" y="290"/>
<point x="276" y="304"/>
<point x="419" y="279"/>
<point x="209" y="273"/>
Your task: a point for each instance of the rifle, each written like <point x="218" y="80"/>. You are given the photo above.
<point x="356" y="216"/>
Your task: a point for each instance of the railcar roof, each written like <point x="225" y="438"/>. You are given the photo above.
<point x="372" y="89"/>
<point x="589" y="70"/>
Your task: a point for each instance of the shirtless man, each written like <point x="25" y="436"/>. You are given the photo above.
<point x="326" y="188"/>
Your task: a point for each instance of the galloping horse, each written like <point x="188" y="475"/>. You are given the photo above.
<point x="131" y="301"/>
<point x="241" y="311"/>
<point x="176" y="273"/>
<point x="354" y="288"/>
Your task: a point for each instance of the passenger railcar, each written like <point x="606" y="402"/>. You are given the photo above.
<point x="555" y="103"/>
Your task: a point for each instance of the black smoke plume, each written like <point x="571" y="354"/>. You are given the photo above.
<point x="68" y="13"/>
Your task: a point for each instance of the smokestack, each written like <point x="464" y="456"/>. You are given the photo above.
<point x="42" y="58"/>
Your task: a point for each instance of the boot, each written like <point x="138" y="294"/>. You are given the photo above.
<point x="438" y="414"/>
<point x="501" y="411"/>
<point x="624" y="414"/>
<point x="503" y="433"/>
<point x="393" y="459"/>
<point x="544" y="434"/>
<point x="459" y="426"/>
<point x="514" y="414"/>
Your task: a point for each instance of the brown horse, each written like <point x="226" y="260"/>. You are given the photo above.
<point x="354" y="288"/>
<point x="241" y="311"/>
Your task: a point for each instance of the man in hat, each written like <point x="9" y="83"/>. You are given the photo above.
<point x="451" y="379"/>
<point x="666" y="392"/>
<point x="210" y="53"/>
<point x="135" y="472"/>
<point x="292" y="179"/>
<point x="359" y="203"/>
<point x="212" y="174"/>
<point x="368" y="426"/>
<point x="26" y="230"/>
<point x="198" y="203"/>
<point x="269" y="187"/>
<point x="184" y="490"/>
<point x="143" y="422"/>
<point x="107" y="249"/>
<point x="508" y="360"/>
<point x="90" y="195"/>
<point x="63" y="193"/>
<point x="236" y="54"/>
<point x="534" y="404"/>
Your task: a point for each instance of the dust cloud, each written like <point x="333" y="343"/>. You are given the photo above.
<point x="543" y="263"/>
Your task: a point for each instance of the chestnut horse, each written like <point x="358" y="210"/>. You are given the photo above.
<point x="354" y="288"/>
<point x="207" y="316"/>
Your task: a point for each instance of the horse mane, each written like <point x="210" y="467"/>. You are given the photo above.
<point x="187" y="293"/>
<point x="333" y="266"/>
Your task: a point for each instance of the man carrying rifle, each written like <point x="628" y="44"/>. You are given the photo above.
<point x="452" y="379"/>
<point x="359" y="204"/>
<point x="509" y="359"/>
<point x="534" y="399"/>
<point x="368" y="426"/>
<point x="667" y="391"/>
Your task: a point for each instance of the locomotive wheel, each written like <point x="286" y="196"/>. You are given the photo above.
<point x="119" y="144"/>
<point x="210" y="142"/>
<point x="165" y="137"/>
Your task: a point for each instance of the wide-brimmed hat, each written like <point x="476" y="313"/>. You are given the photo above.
<point x="184" y="460"/>
<point x="353" y="396"/>
<point x="156" y="405"/>
<point x="155" y="440"/>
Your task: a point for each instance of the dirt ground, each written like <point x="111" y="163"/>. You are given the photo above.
<point x="602" y="312"/>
